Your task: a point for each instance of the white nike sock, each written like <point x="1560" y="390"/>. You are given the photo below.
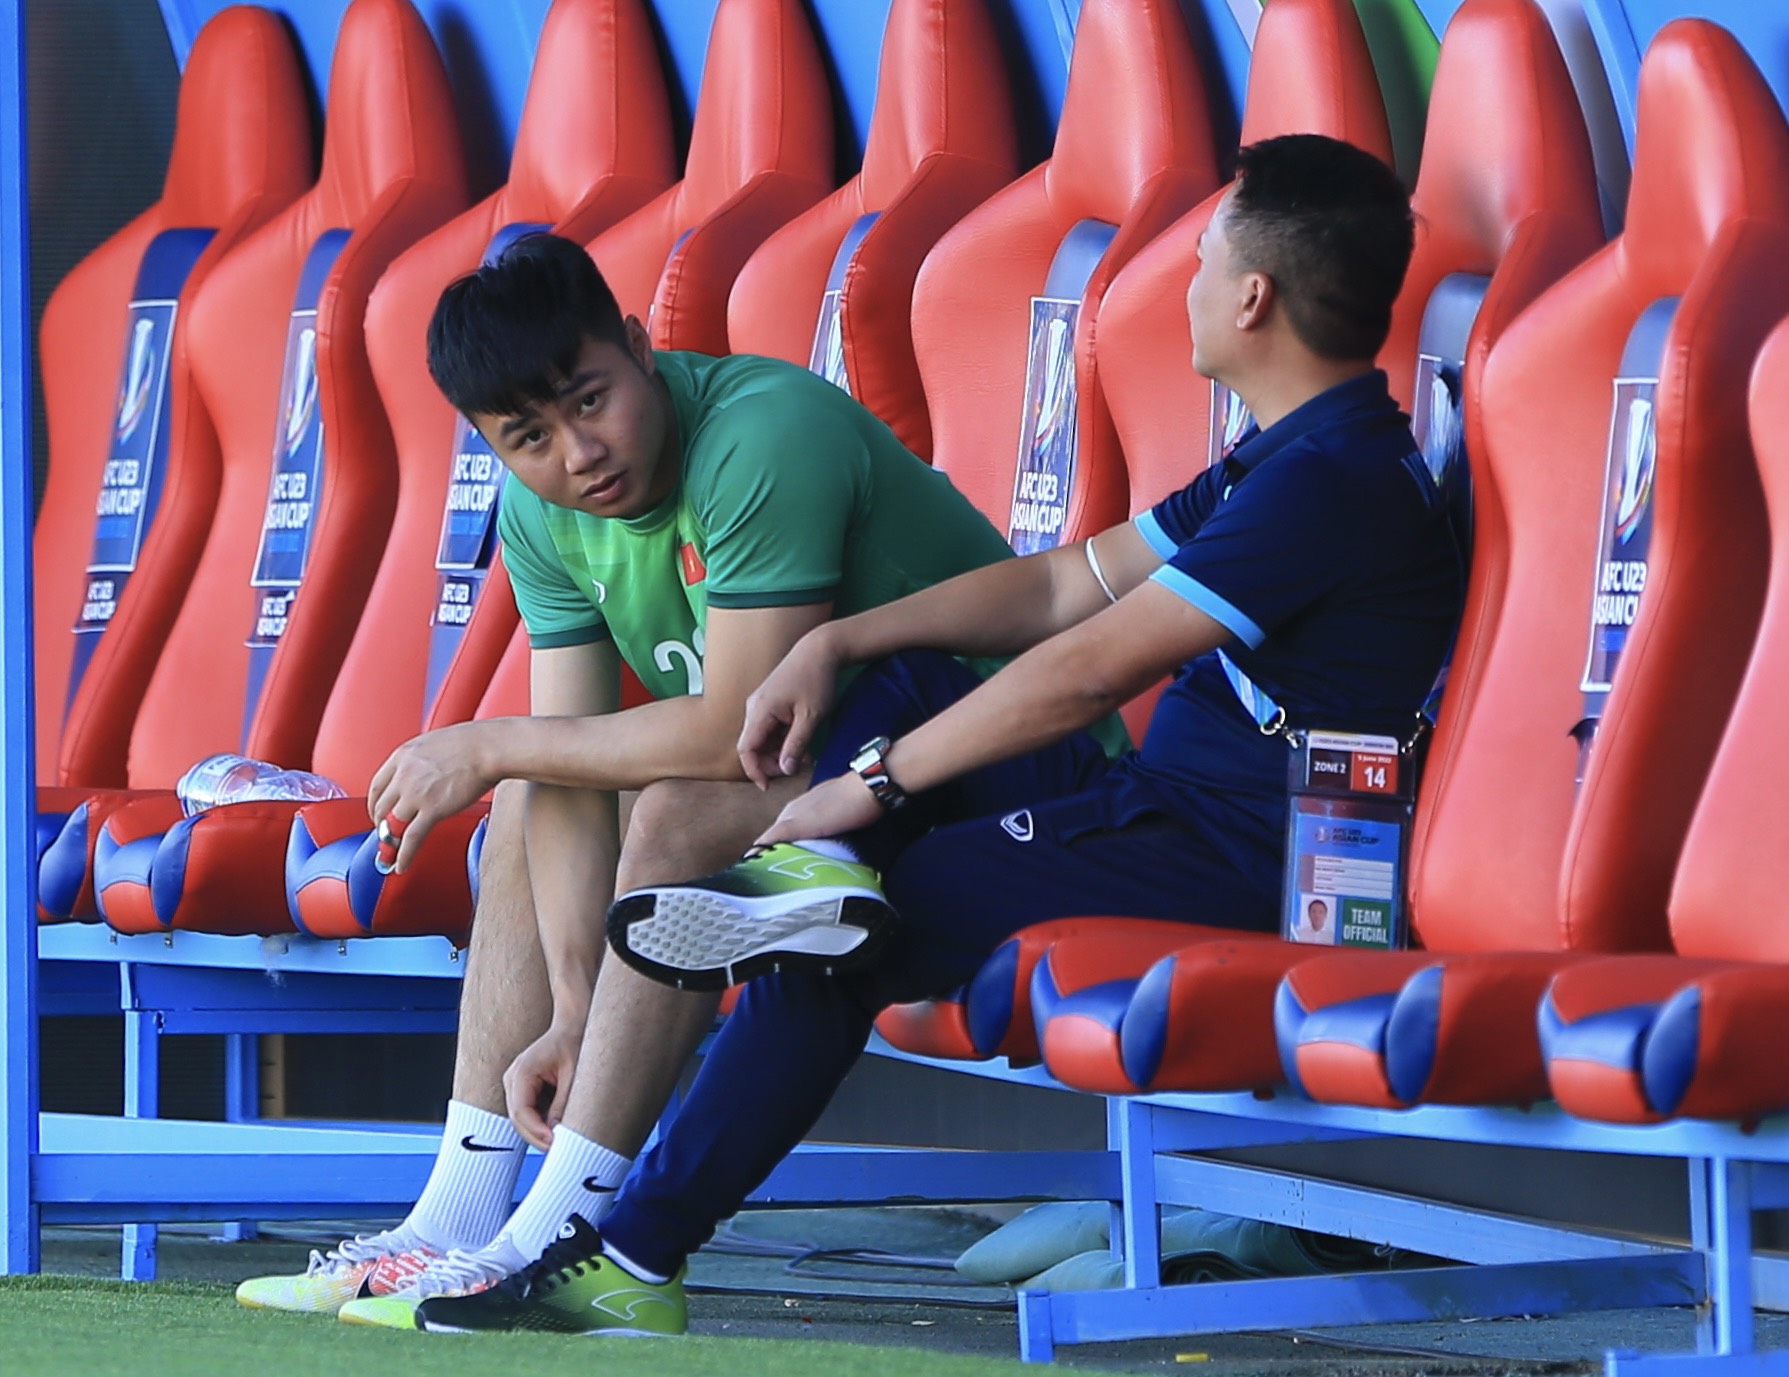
<point x="470" y="1191"/>
<point x="834" y="847"/>
<point x="578" y="1177"/>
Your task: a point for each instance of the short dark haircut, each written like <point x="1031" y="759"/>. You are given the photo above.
<point x="1331" y="225"/>
<point x="503" y="337"/>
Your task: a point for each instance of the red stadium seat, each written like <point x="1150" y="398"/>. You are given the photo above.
<point x="278" y="355"/>
<point x="761" y="152"/>
<point x="577" y="166"/>
<point x="1133" y="150"/>
<point x="941" y="141"/>
<point x="1310" y="73"/>
<point x="1634" y="1039"/>
<point x="1523" y="871"/>
<point x="242" y="152"/>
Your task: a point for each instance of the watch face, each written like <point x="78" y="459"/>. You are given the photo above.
<point x="869" y="755"/>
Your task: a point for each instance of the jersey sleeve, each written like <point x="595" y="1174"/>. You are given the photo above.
<point x="777" y="501"/>
<point x="1285" y="537"/>
<point x="553" y="609"/>
<point x="1176" y="518"/>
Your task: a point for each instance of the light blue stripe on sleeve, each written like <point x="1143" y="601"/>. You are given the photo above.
<point x="1154" y="536"/>
<point x="1225" y="614"/>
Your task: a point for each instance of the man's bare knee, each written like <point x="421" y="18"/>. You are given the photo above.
<point x="682" y="828"/>
<point x="659" y="846"/>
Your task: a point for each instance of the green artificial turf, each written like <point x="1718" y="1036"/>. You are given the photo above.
<point x="83" y="1327"/>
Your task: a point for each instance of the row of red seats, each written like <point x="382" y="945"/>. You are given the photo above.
<point x="1507" y="201"/>
<point x="1594" y="882"/>
<point x="760" y="154"/>
<point x="169" y="679"/>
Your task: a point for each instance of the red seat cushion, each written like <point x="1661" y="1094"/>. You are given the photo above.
<point x="334" y="890"/>
<point x="1199" y="1019"/>
<point x="992" y="1015"/>
<point x="1597" y="1020"/>
<point x="1395" y="1029"/>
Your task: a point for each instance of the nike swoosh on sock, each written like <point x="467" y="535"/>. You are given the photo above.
<point x="590" y="1184"/>
<point x="472" y="1146"/>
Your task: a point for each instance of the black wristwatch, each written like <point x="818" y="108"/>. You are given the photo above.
<point x="870" y="764"/>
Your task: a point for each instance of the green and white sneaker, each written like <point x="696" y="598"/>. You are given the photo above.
<point x="457" y="1273"/>
<point x="571" y="1289"/>
<point x="782" y="908"/>
<point x="363" y="1266"/>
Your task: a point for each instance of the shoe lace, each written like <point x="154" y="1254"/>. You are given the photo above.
<point x="458" y="1270"/>
<point x="563" y="1259"/>
<point x="352" y="1252"/>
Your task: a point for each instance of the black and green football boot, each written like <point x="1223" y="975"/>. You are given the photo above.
<point x="571" y="1289"/>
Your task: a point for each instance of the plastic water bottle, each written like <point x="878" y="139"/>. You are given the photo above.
<point x="227" y="778"/>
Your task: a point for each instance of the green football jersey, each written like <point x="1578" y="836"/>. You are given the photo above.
<point x="790" y="493"/>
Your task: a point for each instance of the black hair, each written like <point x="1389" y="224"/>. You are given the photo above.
<point x="1331" y="225"/>
<point x="503" y="337"/>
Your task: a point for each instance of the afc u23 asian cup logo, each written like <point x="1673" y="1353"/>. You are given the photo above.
<point x="1638" y="462"/>
<point x="304" y="390"/>
<point x="139" y="376"/>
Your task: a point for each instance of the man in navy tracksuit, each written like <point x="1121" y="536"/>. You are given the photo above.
<point x="1310" y="579"/>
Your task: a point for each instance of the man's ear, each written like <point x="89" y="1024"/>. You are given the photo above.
<point x="639" y="344"/>
<point x="1256" y="301"/>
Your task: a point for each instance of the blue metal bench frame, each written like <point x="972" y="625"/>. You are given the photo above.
<point x="243" y="987"/>
<point x="93" y="1169"/>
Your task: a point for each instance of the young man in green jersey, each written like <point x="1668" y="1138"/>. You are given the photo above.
<point x="693" y="518"/>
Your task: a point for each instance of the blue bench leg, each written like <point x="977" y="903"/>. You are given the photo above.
<point x="1142" y="1211"/>
<point x="1721" y="1230"/>
<point x="1037" y="1344"/>
<point x="242" y="1105"/>
<point x="1725" y="1325"/>
<point x="1115" y="1220"/>
<point x="142" y="1100"/>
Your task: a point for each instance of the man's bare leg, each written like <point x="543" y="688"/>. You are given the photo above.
<point x="504" y="1001"/>
<point x="504" y="1007"/>
<point x="639" y="1035"/>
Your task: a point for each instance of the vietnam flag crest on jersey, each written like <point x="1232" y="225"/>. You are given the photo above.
<point x="694" y="571"/>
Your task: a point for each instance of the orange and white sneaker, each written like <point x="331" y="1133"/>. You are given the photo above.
<point x="365" y="1265"/>
<point x="459" y="1273"/>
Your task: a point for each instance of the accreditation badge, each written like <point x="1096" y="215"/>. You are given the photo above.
<point x="1347" y="839"/>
